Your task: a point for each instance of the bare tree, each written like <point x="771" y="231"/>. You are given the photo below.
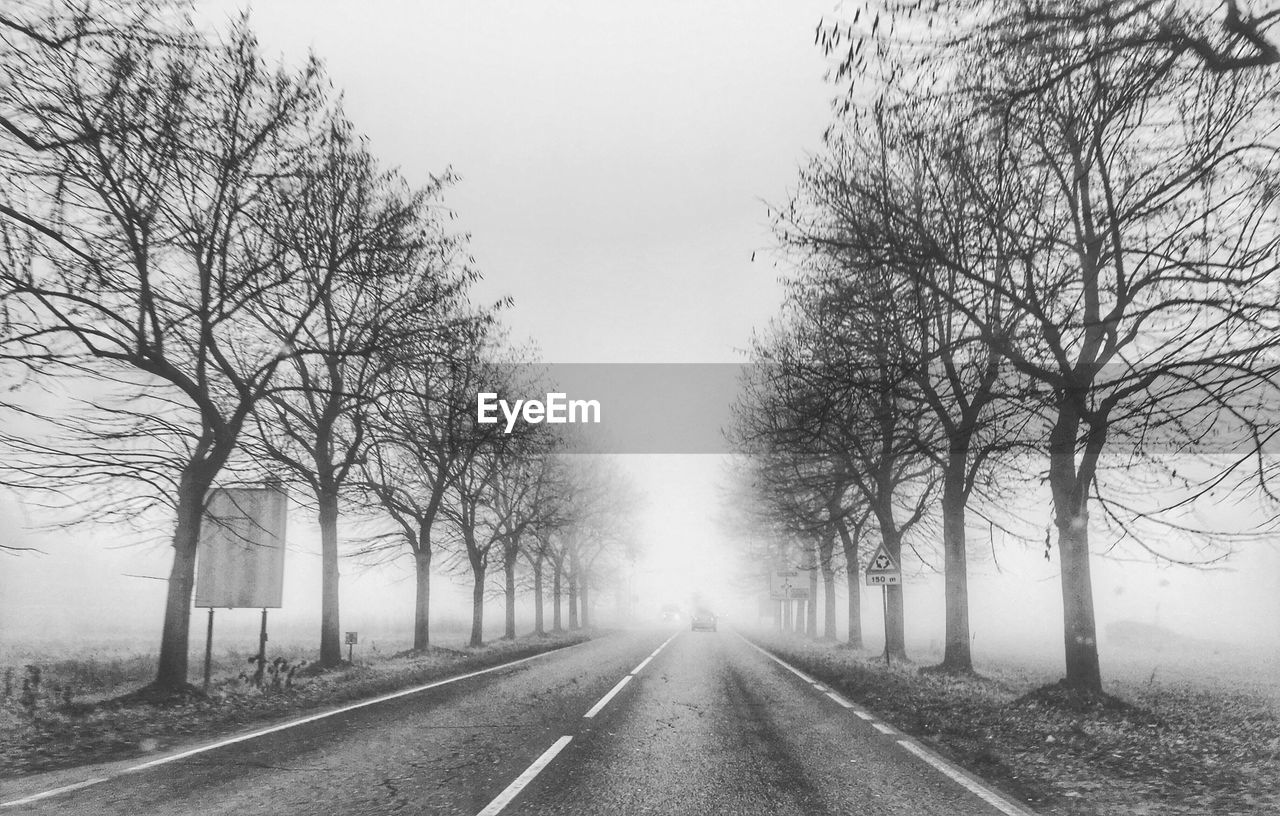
<point x="895" y="200"/>
<point x="524" y="497"/>
<point x="423" y="436"/>
<point x="887" y="42"/>
<point x="835" y="388"/>
<point x="383" y="273"/>
<point x="160" y="245"/>
<point x="554" y="505"/>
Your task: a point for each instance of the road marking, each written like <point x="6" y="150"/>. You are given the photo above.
<point x="842" y="701"/>
<point x="513" y="790"/>
<point x="653" y="654"/>
<point x="784" y="664"/>
<point x="281" y="727"/>
<point x="46" y="794"/>
<point x="604" y="701"/>
<point x="503" y="799"/>
<point x="956" y="775"/>
<point x="951" y="771"/>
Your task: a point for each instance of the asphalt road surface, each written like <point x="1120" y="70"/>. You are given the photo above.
<point x="643" y="722"/>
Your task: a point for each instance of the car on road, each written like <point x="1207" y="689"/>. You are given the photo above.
<point x="704" y="620"/>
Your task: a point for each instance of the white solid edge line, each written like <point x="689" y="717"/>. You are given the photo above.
<point x="283" y="726"/>
<point x="503" y="799"/>
<point x="981" y="791"/>
<point x="325" y="714"/>
<point x="604" y="701"/>
<point x="36" y="797"/>
<point x="842" y="701"/>
<point x="952" y="772"/>
<point x="784" y="664"/>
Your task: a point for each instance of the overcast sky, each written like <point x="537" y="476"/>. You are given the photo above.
<point x="615" y="161"/>
<point x="614" y="157"/>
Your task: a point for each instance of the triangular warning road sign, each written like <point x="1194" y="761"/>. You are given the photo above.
<point x="882" y="562"/>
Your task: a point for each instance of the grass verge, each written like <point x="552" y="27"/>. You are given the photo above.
<point x="1174" y="750"/>
<point x="45" y="732"/>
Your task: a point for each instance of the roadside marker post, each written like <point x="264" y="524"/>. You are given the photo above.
<point x="352" y="640"/>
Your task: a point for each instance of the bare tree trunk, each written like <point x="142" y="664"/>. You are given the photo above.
<point x="1069" y="486"/>
<point x="509" y="570"/>
<point x="573" y="600"/>
<point x="853" y="574"/>
<point x="811" y="605"/>
<point x="422" y="601"/>
<point x="1079" y="629"/>
<point x="556" y="591"/>
<point x="477" y="606"/>
<point x="330" y="629"/>
<point x="171" y="673"/>
<point x="895" y="630"/>
<point x="895" y="641"/>
<point x="828" y="601"/>
<point x="537" y="597"/>
<point x="956" y="656"/>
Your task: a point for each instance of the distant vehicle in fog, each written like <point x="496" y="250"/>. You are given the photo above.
<point x="703" y="620"/>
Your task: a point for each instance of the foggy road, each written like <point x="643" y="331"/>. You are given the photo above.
<point x="655" y="722"/>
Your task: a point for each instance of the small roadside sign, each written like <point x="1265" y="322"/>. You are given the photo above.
<point x="883" y="570"/>
<point x="783" y="582"/>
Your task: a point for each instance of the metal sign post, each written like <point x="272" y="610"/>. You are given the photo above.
<point x="884" y="597"/>
<point x="262" y="651"/>
<point x="208" y="651"/>
<point x="884" y="571"/>
<point x="782" y="588"/>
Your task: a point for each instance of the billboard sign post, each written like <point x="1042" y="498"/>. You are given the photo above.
<point x="240" y="557"/>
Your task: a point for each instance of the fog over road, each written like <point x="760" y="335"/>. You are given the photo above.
<point x="707" y="725"/>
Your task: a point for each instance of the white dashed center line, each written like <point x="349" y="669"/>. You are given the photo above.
<point x="522" y="781"/>
<point x="503" y="799"/>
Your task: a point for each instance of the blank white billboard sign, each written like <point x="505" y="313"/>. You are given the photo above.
<point x="240" y="560"/>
